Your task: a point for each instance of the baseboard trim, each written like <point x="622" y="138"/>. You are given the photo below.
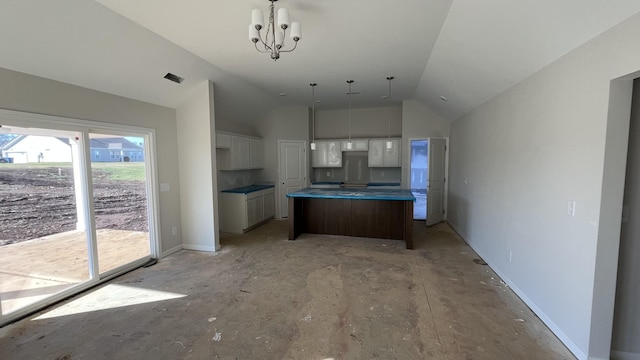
<point x="198" y="247"/>
<point x="173" y="250"/>
<point x="621" y="355"/>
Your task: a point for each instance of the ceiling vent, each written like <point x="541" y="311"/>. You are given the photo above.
<point x="174" y="78"/>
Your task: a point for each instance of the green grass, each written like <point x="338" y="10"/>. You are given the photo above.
<point x="126" y="171"/>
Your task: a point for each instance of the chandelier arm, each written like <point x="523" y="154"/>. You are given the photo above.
<point x="261" y="51"/>
<point x="290" y="50"/>
<point x="264" y="42"/>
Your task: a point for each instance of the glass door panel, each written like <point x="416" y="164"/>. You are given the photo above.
<point x="419" y="176"/>
<point x="118" y="168"/>
<point x="43" y="242"/>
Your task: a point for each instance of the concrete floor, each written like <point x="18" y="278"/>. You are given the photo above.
<point x="319" y="297"/>
<point x="33" y="270"/>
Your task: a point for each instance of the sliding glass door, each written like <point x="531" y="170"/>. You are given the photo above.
<point x="76" y="207"/>
<point x="118" y="171"/>
<point x="43" y="249"/>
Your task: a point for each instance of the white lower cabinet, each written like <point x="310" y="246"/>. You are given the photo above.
<point x="240" y="212"/>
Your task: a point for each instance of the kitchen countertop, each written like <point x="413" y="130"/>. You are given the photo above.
<point x="247" y="189"/>
<point x="355" y="194"/>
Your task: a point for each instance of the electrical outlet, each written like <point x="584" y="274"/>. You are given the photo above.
<point x="510" y="254"/>
<point x="174" y="230"/>
<point x="328" y="173"/>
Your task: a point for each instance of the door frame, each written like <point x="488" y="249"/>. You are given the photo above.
<point x="84" y="127"/>
<point x="407" y="172"/>
<point x="279" y="194"/>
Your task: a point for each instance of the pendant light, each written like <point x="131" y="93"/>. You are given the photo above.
<point x="349" y="144"/>
<point x="313" y="116"/>
<point x="389" y="142"/>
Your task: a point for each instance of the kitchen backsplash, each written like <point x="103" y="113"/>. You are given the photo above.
<point x="234" y="179"/>
<point x="355" y="169"/>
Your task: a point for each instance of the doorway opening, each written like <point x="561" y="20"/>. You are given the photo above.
<point x="418" y="177"/>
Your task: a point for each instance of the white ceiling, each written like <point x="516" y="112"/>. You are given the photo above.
<point x="466" y="50"/>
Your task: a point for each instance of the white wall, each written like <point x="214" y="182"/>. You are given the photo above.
<point x="22" y="92"/>
<point x="365" y="122"/>
<point x="627" y="311"/>
<point x="554" y="137"/>
<point x="419" y="121"/>
<point x="285" y="123"/>
<point x="196" y="141"/>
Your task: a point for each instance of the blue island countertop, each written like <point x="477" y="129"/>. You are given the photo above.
<point x="247" y="189"/>
<point x="354" y="193"/>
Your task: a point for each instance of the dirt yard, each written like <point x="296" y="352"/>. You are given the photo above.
<point x="40" y="201"/>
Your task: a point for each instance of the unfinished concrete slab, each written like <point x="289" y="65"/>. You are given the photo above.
<point x="318" y="297"/>
<point x="33" y="270"/>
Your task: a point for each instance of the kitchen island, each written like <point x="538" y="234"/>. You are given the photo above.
<point x="360" y="212"/>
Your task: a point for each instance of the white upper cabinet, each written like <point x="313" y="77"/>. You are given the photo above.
<point x="223" y="141"/>
<point x="380" y="156"/>
<point x="239" y="152"/>
<point x="327" y="154"/>
<point x="256" y="151"/>
<point x="356" y="145"/>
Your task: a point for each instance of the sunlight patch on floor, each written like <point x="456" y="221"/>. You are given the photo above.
<point x="109" y="297"/>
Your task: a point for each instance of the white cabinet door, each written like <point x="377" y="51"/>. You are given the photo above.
<point x="223" y="141"/>
<point x="319" y="155"/>
<point x="361" y="144"/>
<point x="356" y="145"/>
<point x="392" y="157"/>
<point x="256" y="153"/>
<point x="240" y="152"/>
<point x="327" y="154"/>
<point x="269" y="205"/>
<point x="255" y="211"/>
<point x="380" y="156"/>
<point x="376" y="153"/>
<point x="334" y="154"/>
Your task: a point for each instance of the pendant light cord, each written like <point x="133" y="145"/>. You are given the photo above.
<point x="389" y="104"/>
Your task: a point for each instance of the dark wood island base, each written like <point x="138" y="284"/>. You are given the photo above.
<point x="386" y="219"/>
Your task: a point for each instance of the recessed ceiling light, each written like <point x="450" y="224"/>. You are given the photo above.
<point x="174" y="78"/>
<point x="283" y="94"/>
<point x="443" y="98"/>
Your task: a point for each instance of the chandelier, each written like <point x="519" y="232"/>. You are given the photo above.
<point x="273" y="41"/>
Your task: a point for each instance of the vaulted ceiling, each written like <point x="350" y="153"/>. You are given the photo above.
<point x="466" y="51"/>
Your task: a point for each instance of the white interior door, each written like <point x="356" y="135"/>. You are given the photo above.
<point x="292" y="159"/>
<point x="436" y="181"/>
